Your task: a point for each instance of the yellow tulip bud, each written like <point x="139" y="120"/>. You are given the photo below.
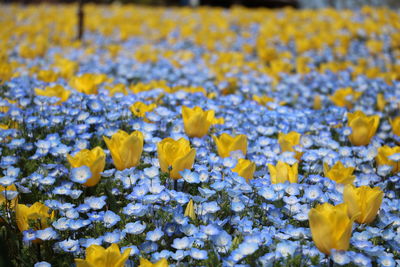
<point x="197" y="122"/>
<point x="395" y="123"/>
<point x="227" y="144"/>
<point x="283" y="172"/>
<point x="88" y="83"/>
<point x="146" y="263"/>
<point x="100" y="257"/>
<point x="139" y="109"/>
<point x="125" y="148"/>
<point x="339" y="173"/>
<point x="95" y="159"/>
<point x="54" y="91"/>
<point x="362" y="202"/>
<point x="380" y="102"/>
<point x="118" y="88"/>
<point x="189" y="211"/>
<point x="288" y="141"/>
<point x="384" y="152"/>
<point x="330" y="227"/>
<point x="345" y="97"/>
<point x="317" y="102"/>
<point x="363" y="127"/>
<point x="245" y="168"/>
<point x="38" y="212"/>
<point x="175" y="156"/>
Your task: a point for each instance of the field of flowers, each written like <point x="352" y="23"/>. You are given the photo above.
<point x="199" y="137"/>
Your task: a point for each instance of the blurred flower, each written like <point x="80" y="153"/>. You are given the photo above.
<point x="100" y="257"/>
<point x="146" y="263"/>
<point x="283" y="172"/>
<point x="395" y="123"/>
<point x="54" y="91"/>
<point x="383" y="157"/>
<point x="189" y="211"/>
<point x="380" y="102"/>
<point x="345" y="97"/>
<point x="139" y="109"/>
<point x="339" y="173"/>
<point x="4" y="196"/>
<point x="227" y="144"/>
<point x="363" y="127"/>
<point x="287" y="143"/>
<point x="95" y="159"/>
<point x="197" y="121"/>
<point x="330" y="227"/>
<point x="175" y="156"/>
<point x="125" y="148"/>
<point x="363" y="202"/>
<point x="88" y="83"/>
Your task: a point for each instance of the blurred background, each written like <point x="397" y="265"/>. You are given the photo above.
<point x="339" y="4"/>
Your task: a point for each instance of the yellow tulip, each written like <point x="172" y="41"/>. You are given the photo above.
<point x="47" y="76"/>
<point x="3" y="199"/>
<point x="395" y="123"/>
<point x="288" y="141"/>
<point x="139" y="109"/>
<point x="125" y="148"/>
<point x="384" y="152"/>
<point x="380" y="102"/>
<point x="345" y="97"/>
<point x="54" y="91"/>
<point x="175" y="156"/>
<point x="363" y="202"/>
<point x="95" y="159"/>
<point x="245" y="168"/>
<point x="118" y="88"/>
<point x="283" y="172"/>
<point x="363" y="127"/>
<point x="197" y="121"/>
<point x="227" y="144"/>
<point x="317" y="104"/>
<point x="88" y="83"/>
<point x="339" y="173"/>
<point x="38" y="212"/>
<point x="330" y="227"/>
<point x="189" y="211"/>
<point x="146" y="263"/>
<point x="97" y="256"/>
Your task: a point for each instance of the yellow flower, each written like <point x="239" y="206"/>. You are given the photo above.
<point x="197" y="121"/>
<point x="139" y="109"/>
<point x="189" y="211"/>
<point x="47" y="76"/>
<point x="395" y="125"/>
<point x="97" y="256"/>
<point x="245" y="168"/>
<point x="118" y="88"/>
<point x="3" y="199"/>
<point x="345" y="97"/>
<point x="95" y="159"/>
<point x="125" y="148"/>
<point x="380" y="102"/>
<point x="363" y="202"/>
<point x="146" y="263"/>
<point x="363" y="127"/>
<point x="283" y="172"/>
<point x="38" y="213"/>
<point x="317" y="104"/>
<point x="339" y="173"/>
<point x="175" y="156"/>
<point x="330" y="227"/>
<point x="288" y="141"/>
<point x="227" y="144"/>
<point x="384" y="152"/>
<point x="54" y="91"/>
<point x="88" y="83"/>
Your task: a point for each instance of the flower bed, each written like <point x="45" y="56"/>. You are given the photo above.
<point x="199" y="137"/>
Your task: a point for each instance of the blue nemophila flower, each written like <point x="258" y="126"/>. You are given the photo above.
<point x="114" y="237"/>
<point x="181" y="243"/>
<point x="155" y="235"/>
<point x="9" y="194"/>
<point x="361" y="260"/>
<point x="312" y="192"/>
<point x="69" y="245"/>
<point x="135" y="228"/>
<point x="29" y="236"/>
<point x="46" y="234"/>
<point x="96" y="203"/>
<point x="80" y="174"/>
<point x="42" y="264"/>
<point x="340" y="257"/>
<point x="136" y="209"/>
<point x="190" y="177"/>
<point x="287" y="248"/>
<point x="198" y="254"/>
<point x="110" y="219"/>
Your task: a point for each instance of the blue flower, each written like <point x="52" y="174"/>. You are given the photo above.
<point x="110" y="219"/>
<point x="198" y="254"/>
<point x="81" y="174"/>
<point x="340" y="257"/>
<point x="42" y="264"/>
<point x="46" y="234"/>
<point x="181" y="243"/>
<point x="190" y="177"/>
<point x="69" y="245"/>
<point x="135" y="228"/>
<point x="155" y="235"/>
